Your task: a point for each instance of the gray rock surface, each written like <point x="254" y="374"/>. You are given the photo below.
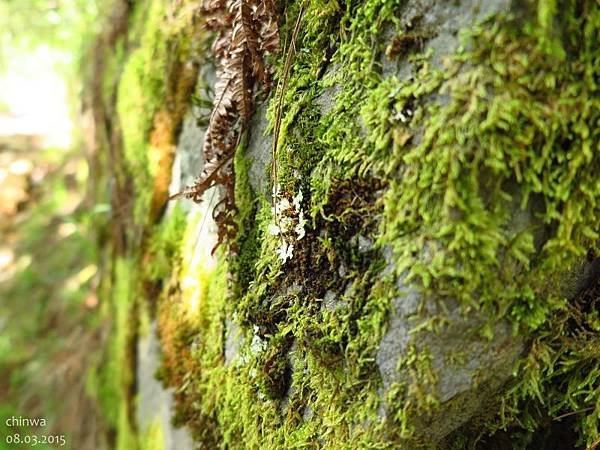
<point x="439" y="23"/>
<point x="155" y="404"/>
<point x="259" y="151"/>
<point x="233" y="341"/>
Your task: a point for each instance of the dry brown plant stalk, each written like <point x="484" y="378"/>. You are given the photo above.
<point x="246" y="31"/>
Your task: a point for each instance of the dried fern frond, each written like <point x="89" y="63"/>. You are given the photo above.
<point x="246" y="31"/>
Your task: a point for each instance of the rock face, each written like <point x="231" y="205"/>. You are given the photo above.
<point x="155" y="404"/>
<point x="391" y="280"/>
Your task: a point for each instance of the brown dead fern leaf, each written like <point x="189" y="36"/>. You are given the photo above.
<point x="246" y="32"/>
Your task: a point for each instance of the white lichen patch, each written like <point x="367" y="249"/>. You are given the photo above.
<point x="289" y="222"/>
<point x="257" y="345"/>
<point x="285" y="251"/>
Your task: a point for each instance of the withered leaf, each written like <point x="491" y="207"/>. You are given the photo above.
<point x="246" y="30"/>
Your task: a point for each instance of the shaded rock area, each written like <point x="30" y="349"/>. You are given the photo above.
<point x="259" y="150"/>
<point x="155" y="404"/>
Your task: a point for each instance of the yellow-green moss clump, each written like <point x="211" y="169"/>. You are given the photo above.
<point x="114" y="379"/>
<point x="153" y="94"/>
<point x="153" y="438"/>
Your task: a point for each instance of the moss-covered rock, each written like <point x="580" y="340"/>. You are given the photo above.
<point x="412" y="251"/>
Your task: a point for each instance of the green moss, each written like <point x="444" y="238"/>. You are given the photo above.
<point x="114" y="61"/>
<point x="164" y="246"/>
<point x="558" y="376"/>
<point x="144" y="82"/>
<point x="193" y="344"/>
<point x="513" y="111"/>
<point x="154" y="78"/>
<point x="442" y="202"/>
<point x="153" y="438"/>
<point x="465" y="223"/>
<point x="296" y="358"/>
<point x="142" y="91"/>
<point x="126" y="434"/>
<point x="248" y="245"/>
<point x="113" y="379"/>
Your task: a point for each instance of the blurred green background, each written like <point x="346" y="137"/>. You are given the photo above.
<point x="51" y="327"/>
